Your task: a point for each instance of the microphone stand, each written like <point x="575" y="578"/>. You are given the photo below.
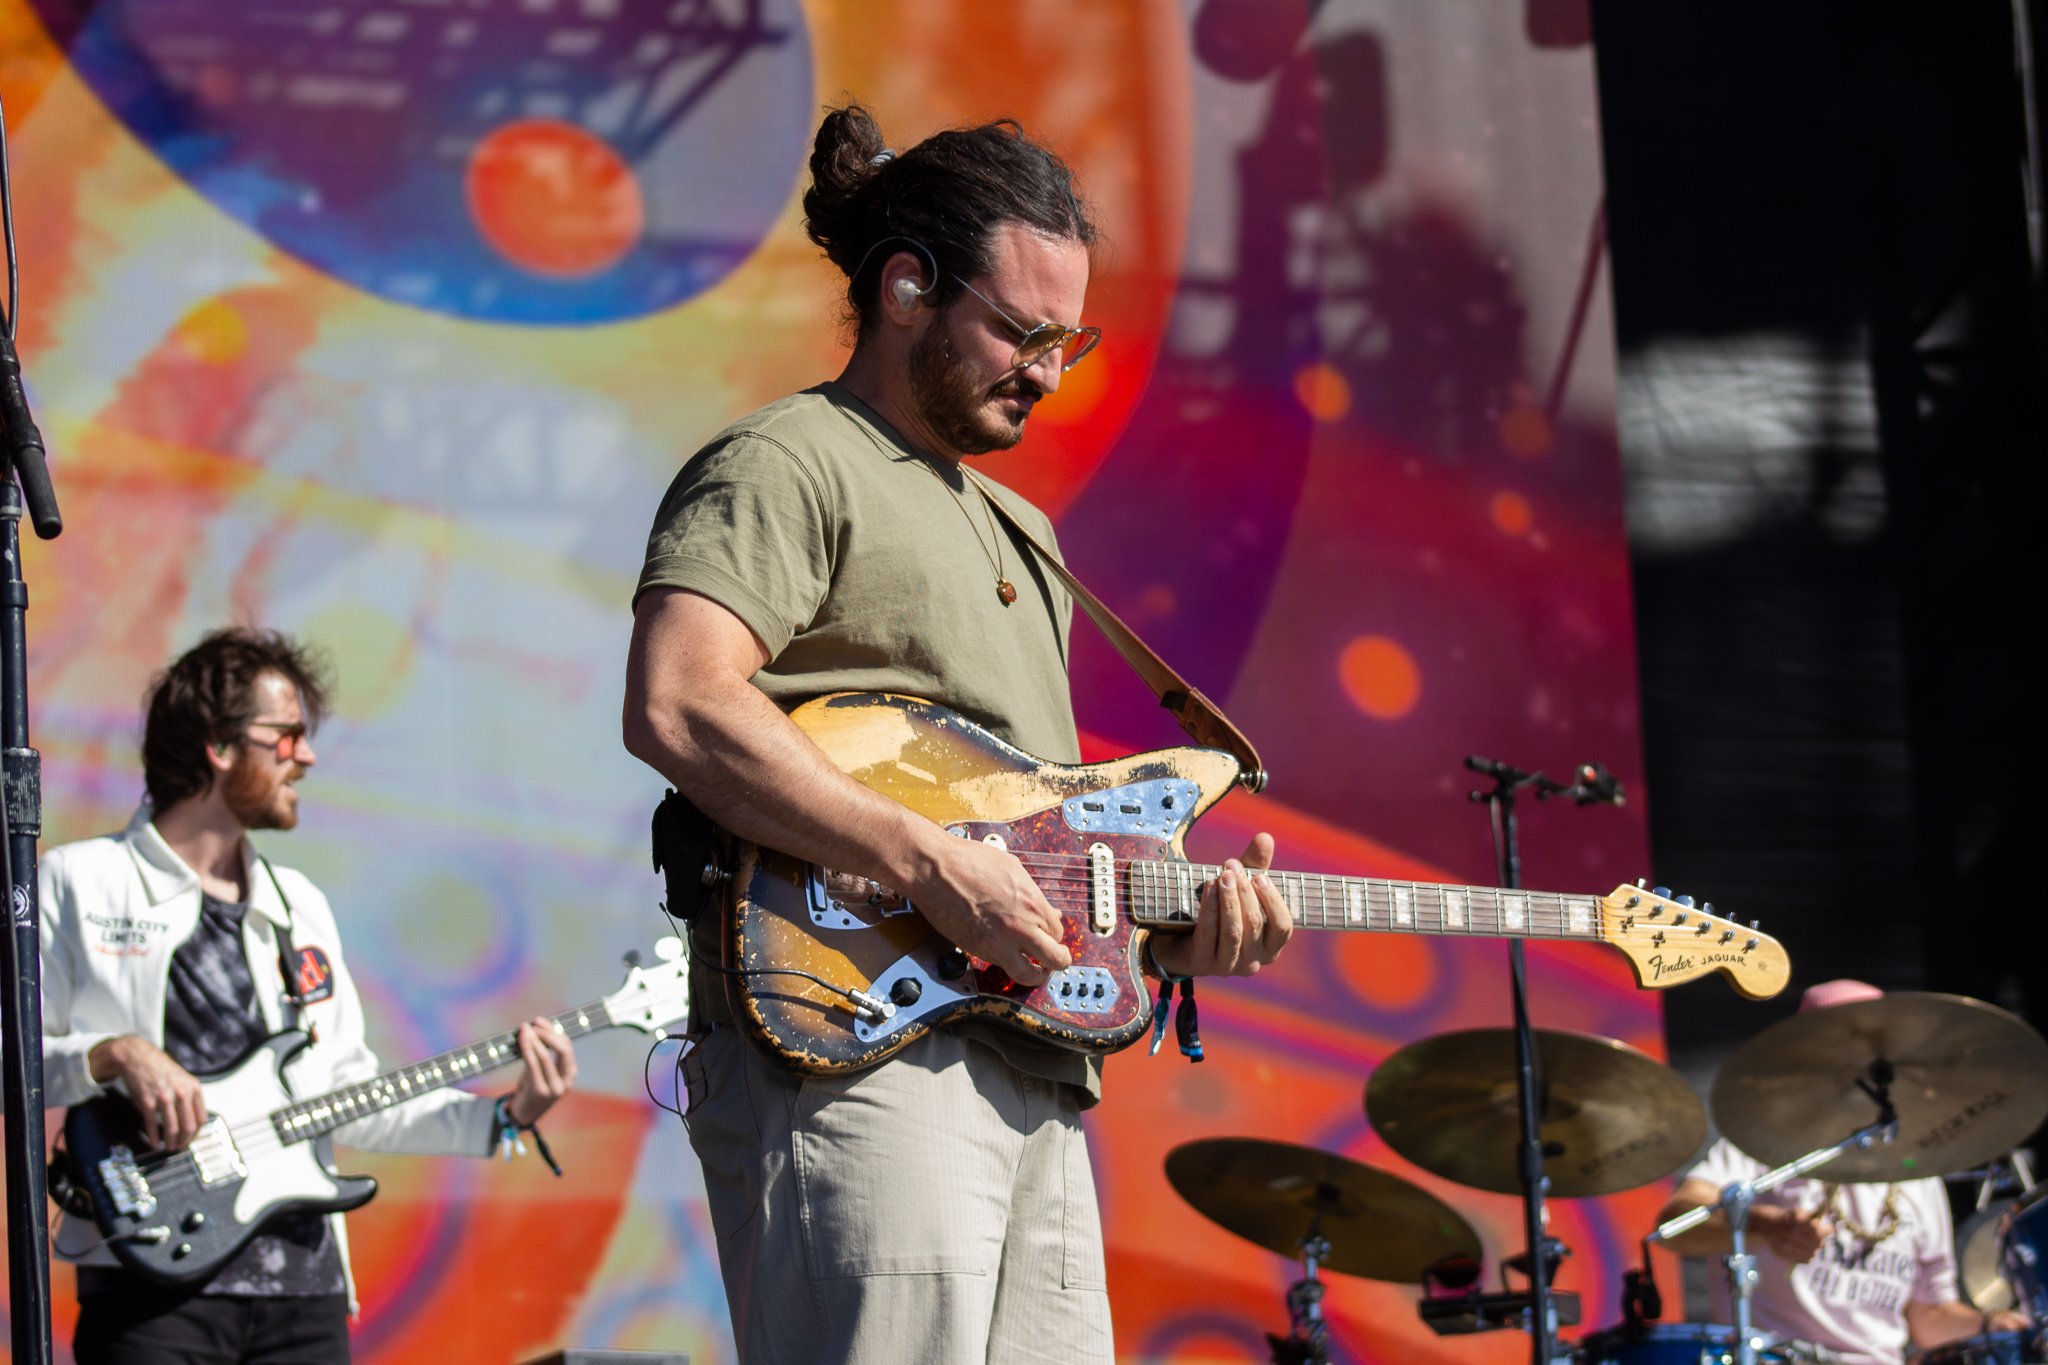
<point x="1544" y="1252"/>
<point x="21" y="824"/>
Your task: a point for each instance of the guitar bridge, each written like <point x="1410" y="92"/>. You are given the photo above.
<point x="126" y="1185"/>
<point x="215" y="1154"/>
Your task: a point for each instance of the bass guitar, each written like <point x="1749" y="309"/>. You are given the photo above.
<point x="832" y="973"/>
<point x="176" y="1217"/>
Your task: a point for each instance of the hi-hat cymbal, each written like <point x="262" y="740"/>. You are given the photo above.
<point x="1277" y="1193"/>
<point x="1613" y="1118"/>
<point x="1969" y="1081"/>
<point x="1980" y="1268"/>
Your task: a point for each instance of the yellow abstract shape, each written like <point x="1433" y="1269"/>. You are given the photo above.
<point x="380" y="655"/>
<point x="214" y="333"/>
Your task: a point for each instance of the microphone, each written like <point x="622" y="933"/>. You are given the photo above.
<point x="1592" y="783"/>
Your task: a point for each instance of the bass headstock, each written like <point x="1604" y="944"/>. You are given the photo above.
<point x="654" y="995"/>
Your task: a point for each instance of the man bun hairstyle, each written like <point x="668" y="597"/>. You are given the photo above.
<point x="948" y="195"/>
<point x="208" y="697"/>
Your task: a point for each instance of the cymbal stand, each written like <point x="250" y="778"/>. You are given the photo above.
<point x="1737" y="1199"/>
<point x="1543" y="1252"/>
<point x="1308" y="1337"/>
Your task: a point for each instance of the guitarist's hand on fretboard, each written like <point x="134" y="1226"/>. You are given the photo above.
<point x="983" y="901"/>
<point x="1243" y="924"/>
<point x="549" y="1071"/>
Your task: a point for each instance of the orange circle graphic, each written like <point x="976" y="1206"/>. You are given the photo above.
<point x="553" y="198"/>
<point x="1380" y="677"/>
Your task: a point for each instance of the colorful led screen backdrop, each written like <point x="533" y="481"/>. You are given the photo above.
<point x="386" y="322"/>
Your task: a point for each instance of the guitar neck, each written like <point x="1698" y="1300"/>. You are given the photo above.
<point x="323" y="1114"/>
<point x="1166" y="894"/>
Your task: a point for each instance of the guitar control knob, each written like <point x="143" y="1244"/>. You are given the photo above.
<point x="194" y="1221"/>
<point x="906" y="991"/>
<point x="952" y="965"/>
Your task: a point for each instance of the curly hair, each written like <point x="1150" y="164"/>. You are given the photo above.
<point x="208" y="696"/>
<point x="947" y="196"/>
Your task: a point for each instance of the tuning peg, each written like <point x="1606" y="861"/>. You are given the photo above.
<point x="1706" y="907"/>
<point x="1685" y="901"/>
<point x="1663" y="891"/>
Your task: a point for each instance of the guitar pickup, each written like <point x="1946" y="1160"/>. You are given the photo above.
<point x="215" y="1154"/>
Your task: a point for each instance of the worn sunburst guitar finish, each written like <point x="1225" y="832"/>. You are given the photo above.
<point x="1104" y="842"/>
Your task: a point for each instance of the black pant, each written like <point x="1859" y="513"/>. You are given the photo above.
<point x="152" y="1325"/>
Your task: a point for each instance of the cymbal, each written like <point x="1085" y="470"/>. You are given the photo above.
<point x="1276" y="1193"/>
<point x="1969" y="1081"/>
<point x="1613" y="1117"/>
<point x="1980" y="1271"/>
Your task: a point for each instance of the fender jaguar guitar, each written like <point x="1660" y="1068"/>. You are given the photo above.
<point x="175" y="1217"/>
<point x="832" y="973"/>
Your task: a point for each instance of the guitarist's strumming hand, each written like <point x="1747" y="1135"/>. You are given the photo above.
<point x="1242" y="925"/>
<point x="984" y="902"/>
<point x="549" y="1072"/>
<point x="166" y="1095"/>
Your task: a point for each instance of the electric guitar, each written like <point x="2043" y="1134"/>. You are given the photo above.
<point x="176" y="1217"/>
<point x="832" y="973"/>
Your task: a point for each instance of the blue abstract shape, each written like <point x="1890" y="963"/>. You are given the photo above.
<point x="343" y="131"/>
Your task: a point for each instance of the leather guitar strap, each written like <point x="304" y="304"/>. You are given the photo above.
<point x="1197" y="715"/>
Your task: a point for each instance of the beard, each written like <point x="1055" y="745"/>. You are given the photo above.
<point x="257" y="796"/>
<point x="955" y="406"/>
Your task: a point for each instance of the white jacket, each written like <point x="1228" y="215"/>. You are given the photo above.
<point x="115" y="908"/>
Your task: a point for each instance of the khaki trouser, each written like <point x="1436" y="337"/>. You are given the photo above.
<point x="936" y="1208"/>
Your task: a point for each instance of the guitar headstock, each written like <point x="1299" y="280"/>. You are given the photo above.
<point x="1669" y="941"/>
<point x="656" y="994"/>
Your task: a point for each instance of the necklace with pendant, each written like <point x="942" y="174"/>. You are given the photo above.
<point x="1006" y="591"/>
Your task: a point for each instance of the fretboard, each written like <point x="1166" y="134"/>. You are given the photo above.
<point x="324" y="1113"/>
<point x="1166" y="893"/>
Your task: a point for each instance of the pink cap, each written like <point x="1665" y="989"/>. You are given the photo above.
<point x="1841" y="991"/>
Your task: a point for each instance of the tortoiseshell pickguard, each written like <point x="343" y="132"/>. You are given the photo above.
<point x="967" y="779"/>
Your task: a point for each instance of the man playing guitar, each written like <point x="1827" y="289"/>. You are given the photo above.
<point x="939" y="1205"/>
<point x="174" y="948"/>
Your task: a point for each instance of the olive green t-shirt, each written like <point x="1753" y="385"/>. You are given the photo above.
<point x="862" y="566"/>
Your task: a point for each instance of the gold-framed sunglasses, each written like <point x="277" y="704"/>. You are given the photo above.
<point x="1034" y="342"/>
<point x="290" y="734"/>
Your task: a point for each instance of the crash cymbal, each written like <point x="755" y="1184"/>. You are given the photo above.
<point x="1276" y="1193"/>
<point x="1613" y="1118"/>
<point x="1969" y="1081"/>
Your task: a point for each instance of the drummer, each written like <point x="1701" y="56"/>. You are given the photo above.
<point x="1859" y="1269"/>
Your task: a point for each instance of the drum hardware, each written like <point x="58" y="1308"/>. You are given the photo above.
<point x="1992" y="1348"/>
<point x="1738" y="1197"/>
<point x="1308" y="1337"/>
<point x="1980" y="1241"/>
<point x="1452" y="1304"/>
<point x="2024" y="1243"/>
<point x="1331" y="1213"/>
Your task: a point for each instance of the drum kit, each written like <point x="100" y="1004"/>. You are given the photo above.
<point x="1900" y="1088"/>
